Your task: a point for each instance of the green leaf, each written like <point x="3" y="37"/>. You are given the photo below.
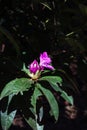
<point x="53" y="81"/>
<point x="6" y="120"/>
<point x="25" y="69"/>
<point x="55" y="86"/>
<point x="15" y="86"/>
<point x="34" y="125"/>
<point x="51" y="99"/>
<point x="9" y="99"/>
<point x="63" y="93"/>
<point x="34" y="97"/>
<point x="67" y="98"/>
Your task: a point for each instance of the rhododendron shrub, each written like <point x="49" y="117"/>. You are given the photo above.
<point x="35" y="81"/>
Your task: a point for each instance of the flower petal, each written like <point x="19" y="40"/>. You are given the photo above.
<point x="48" y="66"/>
<point x="34" y="67"/>
<point x="44" y="58"/>
<point x="45" y="61"/>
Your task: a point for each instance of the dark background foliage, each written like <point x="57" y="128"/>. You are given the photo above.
<point x="29" y="27"/>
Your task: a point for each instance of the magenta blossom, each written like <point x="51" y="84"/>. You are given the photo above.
<point x="34" y="67"/>
<point x="45" y="61"/>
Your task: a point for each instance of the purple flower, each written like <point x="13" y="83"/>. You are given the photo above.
<point x="34" y="67"/>
<point x="45" y="61"/>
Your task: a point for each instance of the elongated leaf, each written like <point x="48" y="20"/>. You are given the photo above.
<point x="34" y="98"/>
<point x="53" y="82"/>
<point x="55" y="86"/>
<point x="6" y="120"/>
<point x="51" y="99"/>
<point x="15" y="86"/>
<point x="25" y="69"/>
<point x="54" y="79"/>
<point x="63" y="93"/>
<point x="34" y="125"/>
<point x="9" y="99"/>
<point x="67" y="98"/>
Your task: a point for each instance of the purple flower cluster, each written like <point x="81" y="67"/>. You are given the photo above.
<point x="45" y="62"/>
